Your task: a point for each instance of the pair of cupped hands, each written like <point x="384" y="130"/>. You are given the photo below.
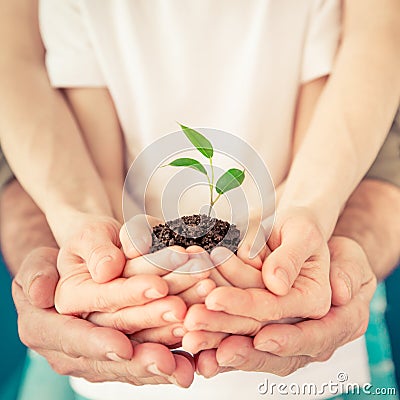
<point x="122" y="313"/>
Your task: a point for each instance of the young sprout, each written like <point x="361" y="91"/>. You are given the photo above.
<point x="229" y="180"/>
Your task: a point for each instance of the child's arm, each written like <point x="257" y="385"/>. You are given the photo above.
<point x="39" y="136"/>
<point x="353" y="114"/>
<point x="95" y="113"/>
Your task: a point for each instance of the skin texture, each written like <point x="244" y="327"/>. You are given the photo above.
<point x="352" y="283"/>
<point x="52" y="214"/>
<point x="29" y="250"/>
<point x="282" y="349"/>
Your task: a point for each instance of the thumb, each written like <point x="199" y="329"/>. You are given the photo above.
<point x="98" y="246"/>
<point x="298" y="242"/>
<point x="38" y="276"/>
<point x="135" y="235"/>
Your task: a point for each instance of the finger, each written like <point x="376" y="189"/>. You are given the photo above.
<point x="207" y="365"/>
<point x="133" y="319"/>
<point x="262" y="305"/>
<point x="46" y="329"/>
<point x="350" y="269"/>
<point x="135" y="235"/>
<point x="299" y="242"/>
<point x="318" y="337"/>
<point x="234" y="270"/>
<point x="159" y="263"/>
<point x="199" y="318"/>
<point x="98" y="246"/>
<point x="197" y="293"/>
<point x="238" y="352"/>
<point x="38" y="276"/>
<point x="184" y="374"/>
<point x="179" y="282"/>
<point x="253" y="248"/>
<point x="105" y="371"/>
<point x="196" y="341"/>
<point x="90" y="296"/>
<point x="169" y="335"/>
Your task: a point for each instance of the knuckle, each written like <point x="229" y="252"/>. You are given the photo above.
<point x="121" y="322"/>
<point x="294" y="261"/>
<point x="252" y="328"/>
<point x="61" y="366"/>
<point x="363" y="324"/>
<point x="24" y="335"/>
<point x="325" y="356"/>
<point x="102" y="303"/>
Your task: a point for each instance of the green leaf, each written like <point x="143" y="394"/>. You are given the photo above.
<point x="189" y="162"/>
<point x="201" y="143"/>
<point x="231" y="179"/>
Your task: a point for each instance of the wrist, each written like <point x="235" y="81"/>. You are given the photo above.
<point x="311" y="214"/>
<point x="65" y="221"/>
<point x="325" y="212"/>
<point x="372" y="219"/>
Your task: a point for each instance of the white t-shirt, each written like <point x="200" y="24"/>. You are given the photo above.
<point x="235" y="65"/>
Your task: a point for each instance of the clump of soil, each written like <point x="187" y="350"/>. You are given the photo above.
<point x="196" y="230"/>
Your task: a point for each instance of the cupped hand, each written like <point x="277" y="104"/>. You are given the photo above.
<point x="283" y="348"/>
<point x="106" y="355"/>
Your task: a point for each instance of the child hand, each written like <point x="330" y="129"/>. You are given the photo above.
<point x="93" y="252"/>
<point x="298" y="266"/>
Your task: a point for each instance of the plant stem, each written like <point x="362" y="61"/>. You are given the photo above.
<point x="211" y="188"/>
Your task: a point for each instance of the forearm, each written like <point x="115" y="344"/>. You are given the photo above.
<point x="39" y="136"/>
<point x="372" y="218"/>
<point x="353" y="114"/>
<point x="23" y="226"/>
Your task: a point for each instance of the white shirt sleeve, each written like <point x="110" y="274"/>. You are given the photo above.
<point x="322" y="39"/>
<point x="70" y="58"/>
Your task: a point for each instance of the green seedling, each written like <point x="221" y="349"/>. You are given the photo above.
<point x="229" y="180"/>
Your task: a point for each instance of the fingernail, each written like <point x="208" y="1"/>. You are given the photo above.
<point x="169" y="316"/>
<point x="38" y="275"/>
<point x="153" y="369"/>
<point x="236" y="360"/>
<point x="202" y="346"/>
<point x="174" y="381"/>
<point x="177" y="258"/>
<point x="153" y="294"/>
<point x="282" y="275"/>
<point x="215" y="307"/>
<point x="269" y="345"/>
<point x="347" y="282"/>
<point x="202" y="290"/>
<point x="220" y="255"/>
<point x="104" y="260"/>
<point x="179" y="332"/>
<point x="114" y="357"/>
<point x="137" y="244"/>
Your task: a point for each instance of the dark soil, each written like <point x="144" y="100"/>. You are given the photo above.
<point x="196" y="230"/>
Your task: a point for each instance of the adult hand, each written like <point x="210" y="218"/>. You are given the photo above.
<point x="283" y="348"/>
<point x="106" y="355"/>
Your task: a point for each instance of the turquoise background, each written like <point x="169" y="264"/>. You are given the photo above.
<point x="11" y="349"/>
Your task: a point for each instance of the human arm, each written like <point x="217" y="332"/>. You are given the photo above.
<point x="107" y="354"/>
<point x="353" y="114"/>
<point x="39" y="136"/>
